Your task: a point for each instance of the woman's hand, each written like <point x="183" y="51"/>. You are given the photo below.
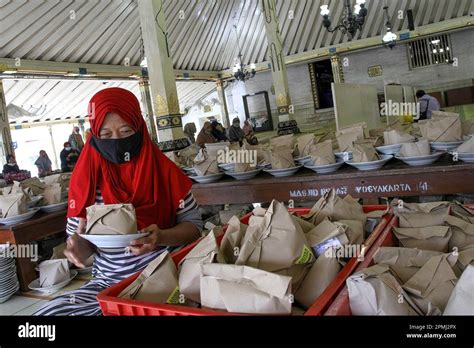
<point x="147" y="244"/>
<point x="78" y="250"/>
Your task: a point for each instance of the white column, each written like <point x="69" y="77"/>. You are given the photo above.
<point x="6" y="146"/>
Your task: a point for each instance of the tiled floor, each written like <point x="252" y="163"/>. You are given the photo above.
<point x="29" y="302"/>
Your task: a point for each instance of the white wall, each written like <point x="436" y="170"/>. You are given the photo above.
<point x="396" y="66"/>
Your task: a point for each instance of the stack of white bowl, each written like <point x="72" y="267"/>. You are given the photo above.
<point x="8" y="278"/>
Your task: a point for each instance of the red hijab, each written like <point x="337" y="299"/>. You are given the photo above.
<point x="150" y="181"/>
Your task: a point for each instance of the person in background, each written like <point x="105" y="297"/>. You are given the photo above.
<point x="11" y="166"/>
<point x="190" y="131"/>
<point x="68" y="157"/>
<point x="75" y="139"/>
<point x="218" y="131"/>
<point x="205" y="136"/>
<point x="427" y="104"/>
<point x="235" y="133"/>
<point x="87" y="134"/>
<point x="43" y="163"/>
<point x="249" y="133"/>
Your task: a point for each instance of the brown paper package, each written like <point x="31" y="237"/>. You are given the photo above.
<point x="463" y="233"/>
<point x="281" y="158"/>
<point x="376" y="291"/>
<point x="322" y="273"/>
<point x="13" y="204"/>
<point x="232" y="239"/>
<point x="394" y="136"/>
<point x="442" y="127"/>
<point x="432" y="285"/>
<point x="322" y="154"/>
<point x="111" y="219"/>
<point x="288" y="141"/>
<point x="304" y="144"/>
<point x="333" y="207"/>
<point x="404" y="262"/>
<point x="207" y="251"/>
<point x="421" y="215"/>
<point x="205" y="165"/>
<point x="276" y="244"/>
<point x="157" y="283"/>
<point x="36" y="186"/>
<point x="53" y="272"/>
<point x="364" y="152"/>
<point x="435" y="238"/>
<point x="420" y="148"/>
<point x="460" y="211"/>
<point x="467" y="146"/>
<point x="52" y="194"/>
<point x="242" y="289"/>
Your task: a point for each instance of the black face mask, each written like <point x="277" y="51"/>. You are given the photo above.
<point x="118" y="151"/>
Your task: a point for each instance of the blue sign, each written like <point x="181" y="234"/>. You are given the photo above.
<point x="405" y="36"/>
<point x="332" y="50"/>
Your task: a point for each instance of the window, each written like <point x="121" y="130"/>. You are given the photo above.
<point x="430" y="51"/>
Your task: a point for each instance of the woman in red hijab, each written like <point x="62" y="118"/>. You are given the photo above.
<point x="120" y="164"/>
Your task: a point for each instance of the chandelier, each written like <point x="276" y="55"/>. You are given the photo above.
<point x="352" y="20"/>
<point x="240" y="69"/>
<point x="389" y="39"/>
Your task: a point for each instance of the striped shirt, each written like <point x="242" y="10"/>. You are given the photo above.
<point x="117" y="264"/>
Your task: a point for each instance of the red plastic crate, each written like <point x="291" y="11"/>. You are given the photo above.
<point x="113" y="306"/>
<point x="340" y="306"/>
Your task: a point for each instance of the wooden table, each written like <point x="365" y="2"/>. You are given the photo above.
<point x="40" y="226"/>
<point x="396" y="179"/>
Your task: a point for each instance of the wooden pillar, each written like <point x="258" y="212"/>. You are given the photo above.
<point x="147" y="105"/>
<point x="337" y="71"/>
<point x="223" y="101"/>
<point x="287" y="123"/>
<point x="6" y="146"/>
<point x="161" y="75"/>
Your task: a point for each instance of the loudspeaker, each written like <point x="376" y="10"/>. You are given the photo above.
<point x="411" y="21"/>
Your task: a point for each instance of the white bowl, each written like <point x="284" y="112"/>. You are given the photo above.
<point x="466" y="157"/>
<point x="327" y="168"/>
<point x="35" y="284"/>
<point x="416" y="161"/>
<point x="389" y="149"/>
<point x="303" y="160"/>
<point x="54" y="207"/>
<point x="244" y="176"/>
<point x="445" y="145"/>
<point x="227" y="166"/>
<point x="19" y="218"/>
<point x="281" y="173"/>
<point x="344" y="156"/>
<point x="374" y="165"/>
<point x="207" y="179"/>
<point x="113" y="241"/>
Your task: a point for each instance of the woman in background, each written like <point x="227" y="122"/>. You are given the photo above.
<point x="11" y="166"/>
<point x="190" y="131"/>
<point x="236" y="134"/>
<point x="43" y="163"/>
<point x="205" y="135"/>
<point x="218" y="132"/>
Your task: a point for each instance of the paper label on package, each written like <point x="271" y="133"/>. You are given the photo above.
<point x="174" y="297"/>
<point x="305" y="257"/>
<point x="330" y="243"/>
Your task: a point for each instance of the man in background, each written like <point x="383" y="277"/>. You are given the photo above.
<point x="427" y="104"/>
<point x="75" y="139"/>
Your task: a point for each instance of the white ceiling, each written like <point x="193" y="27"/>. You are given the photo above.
<point x="108" y="31"/>
<point x="65" y="99"/>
